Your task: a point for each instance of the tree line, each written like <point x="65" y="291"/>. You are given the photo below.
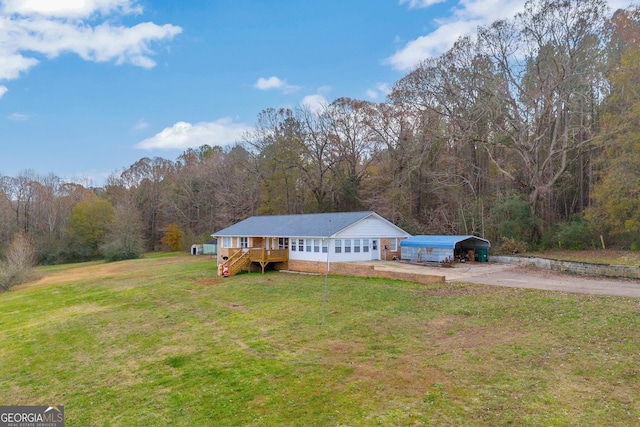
<point x="527" y="131"/>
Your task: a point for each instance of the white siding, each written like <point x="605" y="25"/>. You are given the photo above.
<point x="306" y="255"/>
<point x="369" y="228"/>
<point x="333" y="257"/>
<point x="351" y="256"/>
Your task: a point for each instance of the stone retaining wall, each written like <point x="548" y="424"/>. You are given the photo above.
<point x="360" y="270"/>
<point x="573" y="267"/>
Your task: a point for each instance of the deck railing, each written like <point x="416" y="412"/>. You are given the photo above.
<point x="240" y="259"/>
<point x="269" y="255"/>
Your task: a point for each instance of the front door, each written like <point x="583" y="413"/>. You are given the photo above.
<point x="375" y="252"/>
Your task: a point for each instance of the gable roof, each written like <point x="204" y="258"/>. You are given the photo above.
<point x="441" y="242"/>
<point x="317" y="225"/>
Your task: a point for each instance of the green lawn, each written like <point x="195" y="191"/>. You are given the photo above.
<point x="597" y="256"/>
<point x="162" y="341"/>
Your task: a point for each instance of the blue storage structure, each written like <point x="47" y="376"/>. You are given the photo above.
<point x="442" y="248"/>
<point x="210" y="247"/>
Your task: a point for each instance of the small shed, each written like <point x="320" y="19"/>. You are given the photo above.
<point x="210" y="247"/>
<point x="196" y="249"/>
<point x="441" y="248"/>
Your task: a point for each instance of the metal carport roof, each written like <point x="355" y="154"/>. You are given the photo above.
<point x="443" y="242"/>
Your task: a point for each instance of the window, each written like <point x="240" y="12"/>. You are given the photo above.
<point x="347" y="246"/>
<point x="301" y="245"/>
<point x="309" y="245"/>
<point x="356" y="245"/>
<point x="316" y="245"/>
<point x="244" y="242"/>
<point x="365" y="245"/>
<point x="325" y="246"/>
<point x="338" y="249"/>
<point x="283" y="243"/>
<point x="394" y="245"/>
<point x="226" y="242"/>
<point x="293" y="245"/>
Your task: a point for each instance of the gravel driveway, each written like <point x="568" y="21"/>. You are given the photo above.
<point x="519" y="277"/>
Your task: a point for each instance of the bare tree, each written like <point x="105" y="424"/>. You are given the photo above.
<point x="546" y="63"/>
<point x="353" y="146"/>
<point x="150" y="178"/>
<point x="20" y="257"/>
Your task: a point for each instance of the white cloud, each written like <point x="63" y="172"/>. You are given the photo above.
<point x="3" y="90"/>
<point x="270" y="83"/>
<point x="315" y="103"/>
<point x="467" y="16"/>
<point x="49" y="28"/>
<point x="19" y="117"/>
<point x="378" y="91"/>
<point x="274" y="82"/>
<point x="183" y="135"/>
<point x="413" y="4"/>
<point x="141" y="124"/>
<point x="68" y="8"/>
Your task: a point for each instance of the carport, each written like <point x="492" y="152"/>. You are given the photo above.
<point x="442" y="248"/>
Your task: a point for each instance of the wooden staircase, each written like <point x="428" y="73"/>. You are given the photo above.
<point x="241" y="260"/>
<point x="237" y="262"/>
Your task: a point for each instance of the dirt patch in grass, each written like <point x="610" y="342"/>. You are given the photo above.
<point x="404" y="374"/>
<point x="473" y="337"/>
<point x="383" y="370"/>
<point x="64" y="314"/>
<point x="458" y="289"/>
<point x="91" y="271"/>
<point x="96" y="270"/>
<point x="211" y="281"/>
<point x="455" y="334"/>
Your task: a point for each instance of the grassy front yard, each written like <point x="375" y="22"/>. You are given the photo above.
<point x="163" y="341"/>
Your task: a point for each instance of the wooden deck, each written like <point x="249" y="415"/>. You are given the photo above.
<point x="240" y="259"/>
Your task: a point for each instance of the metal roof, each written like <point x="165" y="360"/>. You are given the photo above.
<point x="441" y="242"/>
<point x="301" y="225"/>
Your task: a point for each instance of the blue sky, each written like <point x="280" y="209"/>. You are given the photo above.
<point x="87" y="87"/>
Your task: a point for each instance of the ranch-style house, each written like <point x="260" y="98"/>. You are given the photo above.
<point x="307" y="242"/>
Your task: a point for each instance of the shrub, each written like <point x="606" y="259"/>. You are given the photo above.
<point x="513" y="218"/>
<point x="512" y="246"/>
<point x="576" y="235"/>
<point x="173" y="237"/>
<point x="20" y="258"/>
